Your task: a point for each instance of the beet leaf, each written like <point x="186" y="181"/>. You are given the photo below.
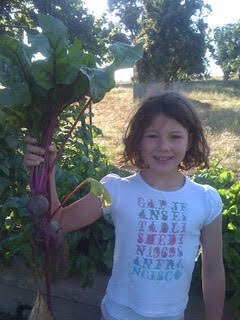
<point x="40" y="78"/>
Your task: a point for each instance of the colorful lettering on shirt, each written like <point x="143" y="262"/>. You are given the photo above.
<point x="159" y="243"/>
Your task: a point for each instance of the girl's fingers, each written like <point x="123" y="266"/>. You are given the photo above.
<point x="34" y="154"/>
<point x="30" y="148"/>
<point x="31" y="159"/>
<point x="32" y="163"/>
<point x="30" y="140"/>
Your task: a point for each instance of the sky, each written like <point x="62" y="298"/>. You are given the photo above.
<point x="223" y="12"/>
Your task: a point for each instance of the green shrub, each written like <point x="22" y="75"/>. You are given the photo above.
<point x="14" y="223"/>
<point x="229" y="190"/>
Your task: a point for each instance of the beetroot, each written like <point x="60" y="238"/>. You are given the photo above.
<point x="38" y="205"/>
<point x="55" y="237"/>
<point x="39" y="236"/>
<point x="49" y="234"/>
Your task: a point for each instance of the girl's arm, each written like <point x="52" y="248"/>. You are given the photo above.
<point x="213" y="274"/>
<point x="77" y="215"/>
<point x="74" y="216"/>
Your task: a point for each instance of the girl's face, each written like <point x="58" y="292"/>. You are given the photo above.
<point x="163" y="146"/>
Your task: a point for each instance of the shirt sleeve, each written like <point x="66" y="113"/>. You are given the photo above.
<point x="214" y="204"/>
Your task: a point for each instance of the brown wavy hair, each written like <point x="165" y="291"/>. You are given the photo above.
<point x="172" y="105"/>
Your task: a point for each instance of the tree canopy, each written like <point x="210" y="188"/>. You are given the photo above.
<point x="19" y="15"/>
<point x="227" y="53"/>
<point x="14" y="15"/>
<point x="172" y="32"/>
<point x="129" y="14"/>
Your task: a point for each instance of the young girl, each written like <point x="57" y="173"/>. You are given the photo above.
<point x="160" y="216"/>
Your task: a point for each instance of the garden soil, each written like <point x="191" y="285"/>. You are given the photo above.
<point x="194" y="311"/>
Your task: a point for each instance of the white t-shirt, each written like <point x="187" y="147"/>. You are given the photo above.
<point x="157" y="237"/>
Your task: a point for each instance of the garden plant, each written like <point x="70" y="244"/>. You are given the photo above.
<point x="43" y="78"/>
<point x="229" y="190"/>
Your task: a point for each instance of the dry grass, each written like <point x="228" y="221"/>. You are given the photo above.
<point x="217" y="103"/>
<point x="112" y="115"/>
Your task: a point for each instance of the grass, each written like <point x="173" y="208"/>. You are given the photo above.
<point x="216" y="101"/>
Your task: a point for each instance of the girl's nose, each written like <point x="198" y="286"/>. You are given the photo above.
<point x="162" y="144"/>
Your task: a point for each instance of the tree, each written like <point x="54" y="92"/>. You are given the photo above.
<point x="19" y="15"/>
<point x="173" y="34"/>
<point x="14" y="15"/>
<point x="129" y="13"/>
<point x="227" y="53"/>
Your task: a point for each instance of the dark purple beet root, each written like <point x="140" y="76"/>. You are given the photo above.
<point x="57" y="247"/>
<point x="52" y="235"/>
<point x="38" y="205"/>
<point x="39" y="236"/>
<point x="55" y="236"/>
<point x="48" y="237"/>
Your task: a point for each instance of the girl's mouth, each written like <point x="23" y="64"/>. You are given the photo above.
<point x="162" y="158"/>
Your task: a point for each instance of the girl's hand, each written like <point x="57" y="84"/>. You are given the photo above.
<point x="34" y="155"/>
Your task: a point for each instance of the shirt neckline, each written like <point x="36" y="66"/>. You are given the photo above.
<point x="186" y="181"/>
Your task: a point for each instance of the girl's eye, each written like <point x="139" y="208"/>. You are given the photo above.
<point x="151" y="136"/>
<point x="176" y="137"/>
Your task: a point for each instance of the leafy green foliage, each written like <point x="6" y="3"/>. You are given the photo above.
<point x="14" y="220"/>
<point x="231" y="240"/>
<point x="227" y="51"/>
<point x="216" y="177"/>
<point x="66" y="74"/>
<point x="99" y="191"/>
<point x="17" y="16"/>
<point x="15" y="226"/>
<point x="173" y="34"/>
<point x="37" y="91"/>
<point x="229" y="190"/>
<point x="129" y="13"/>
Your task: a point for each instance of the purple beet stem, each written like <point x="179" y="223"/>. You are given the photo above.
<point x="39" y="184"/>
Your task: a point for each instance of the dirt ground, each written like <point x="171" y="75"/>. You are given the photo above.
<point x="195" y="311"/>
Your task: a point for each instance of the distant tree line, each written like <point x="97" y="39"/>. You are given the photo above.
<point x="174" y="33"/>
